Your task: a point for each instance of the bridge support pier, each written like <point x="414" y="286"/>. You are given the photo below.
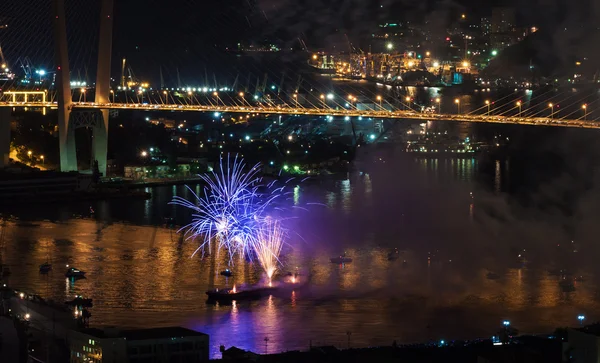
<point x="100" y="141"/>
<point x="97" y="120"/>
<point x="4" y="136"/>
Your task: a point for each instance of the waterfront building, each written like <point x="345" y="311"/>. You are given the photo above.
<point x="159" y="345"/>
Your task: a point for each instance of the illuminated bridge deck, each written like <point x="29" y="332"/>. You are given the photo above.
<point x="405" y="115"/>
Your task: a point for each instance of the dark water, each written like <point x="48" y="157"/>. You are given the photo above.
<point x="455" y="220"/>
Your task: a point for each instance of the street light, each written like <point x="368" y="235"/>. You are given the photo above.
<point x="29" y="153"/>
<point x="519" y="105"/>
<point x="584" y="107"/>
<point x="380" y="99"/>
<point x="166" y="96"/>
<point x="144" y="153"/>
<point x="407" y="99"/>
<point x="390" y="46"/>
<point x="457" y="101"/>
<point x="488" y="103"/>
<point x="439" y="103"/>
<point x="113" y="95"/>
<point x="43" y="161"/>
<point x="551" y="105"/>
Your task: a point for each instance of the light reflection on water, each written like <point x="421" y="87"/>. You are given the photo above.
<point x="141" y="275"/>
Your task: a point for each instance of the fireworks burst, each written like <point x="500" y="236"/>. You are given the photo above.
<point x="270" y="238"/>
<point x="231" y="209"/>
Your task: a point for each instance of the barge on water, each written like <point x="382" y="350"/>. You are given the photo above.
<point x="240" y="294"/>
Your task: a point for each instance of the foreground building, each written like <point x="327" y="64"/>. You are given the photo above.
<point x="159" y="345"/>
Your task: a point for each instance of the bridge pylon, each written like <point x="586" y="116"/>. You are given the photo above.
<point x="66" y="121"/>
<point x="100" y="143"/>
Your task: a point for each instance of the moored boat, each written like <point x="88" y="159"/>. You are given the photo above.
<point x="75" y="273"/>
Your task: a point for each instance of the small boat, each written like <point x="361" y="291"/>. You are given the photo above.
<point x="340" y="259"/>
<point x="75" y="273"/>
<point x="45" y="268"/>
<point x="79" y="301"/>
<point x="226" y="273"/>
<point x="239" y="294"/>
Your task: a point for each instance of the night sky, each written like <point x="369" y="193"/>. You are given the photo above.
<point x="191" y="33"/>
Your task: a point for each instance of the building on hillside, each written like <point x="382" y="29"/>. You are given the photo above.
<point x="503" y="20"/>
